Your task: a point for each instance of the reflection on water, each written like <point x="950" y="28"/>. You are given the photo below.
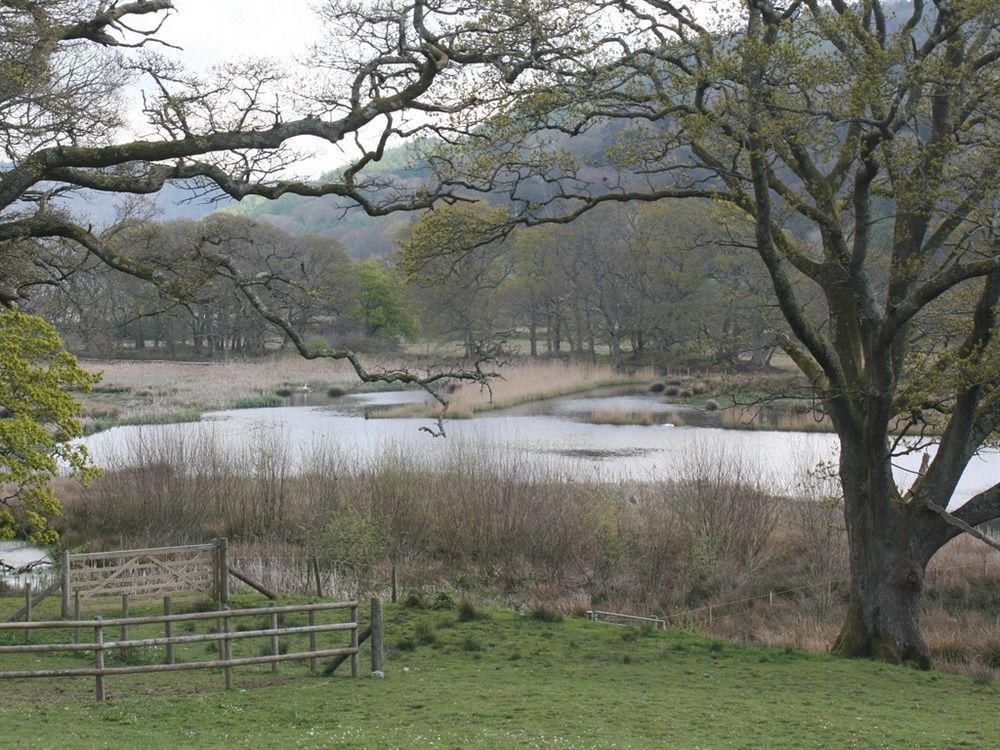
<point x="555" y="440"/>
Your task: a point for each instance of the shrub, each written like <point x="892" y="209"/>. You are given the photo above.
<point x="335" y="391"/>
<point x="283" y="392"/>
<point x="415" y="600"/>
<point x="471" y="644"/>
<point x="685" y="393"/>
<point x="443" y="601"/>
<point x="469" y="611"/>
<point x="657" y="387"/>
<point x="545" y="613"/>
<point x="406" y="644"/>
<point x="711" y="405"/>
<point x="671" y="390"/>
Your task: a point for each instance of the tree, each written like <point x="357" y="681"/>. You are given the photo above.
<point x="458" y="293"/>
<point x="38" y="420"/>
<point x="862" y="140"/>
<point x="385" y="71"/>
<point x="382" y="305"/>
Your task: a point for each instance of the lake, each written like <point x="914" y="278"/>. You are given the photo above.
<point x="550" y="434"/>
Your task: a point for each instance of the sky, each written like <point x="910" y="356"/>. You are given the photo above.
<point x="210" y="32"/>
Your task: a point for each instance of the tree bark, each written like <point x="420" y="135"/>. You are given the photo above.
<point x="889" y="552"/>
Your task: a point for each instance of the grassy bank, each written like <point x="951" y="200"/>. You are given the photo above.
<point x="160" y="392"/>
<point x="507" y="680"/>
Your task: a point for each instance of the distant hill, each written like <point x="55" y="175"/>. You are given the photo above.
<point x="369" y="237"/>
<point x="172" y="202"/>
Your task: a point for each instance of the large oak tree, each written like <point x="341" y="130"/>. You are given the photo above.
<point x="862" y="139"/>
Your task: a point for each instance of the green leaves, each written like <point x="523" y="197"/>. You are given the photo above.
<point x="38" y="419"/>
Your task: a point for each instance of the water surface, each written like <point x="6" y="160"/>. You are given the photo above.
<point x="556" y="440"/>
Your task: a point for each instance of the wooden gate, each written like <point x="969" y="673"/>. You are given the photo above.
<point x="146" y="573"/>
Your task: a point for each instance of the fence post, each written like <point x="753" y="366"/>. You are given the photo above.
<point x="76" y="615"/>
<point x="27" y="610"/>
<point x="124" y="634"/>
<point x="65" y="583"/>
<point x="770" y="598"/>
<point x="274" y="638"/>
<point x="319" y="581"/>
<point x="355" y="661"/>
<point x="222" y="564"/>
<point x="168" y="627"/>
<point x="312" y="639"/>
<point x="99" y="659"/>
<point x="378" y="660"/>
<point x="227" y="646"/>
<point x="710" y="615"/>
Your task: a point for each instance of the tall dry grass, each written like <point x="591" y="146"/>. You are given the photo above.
<point x="527" y="381"/>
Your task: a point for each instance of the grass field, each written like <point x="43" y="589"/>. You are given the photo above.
<point x="508" y="680"/>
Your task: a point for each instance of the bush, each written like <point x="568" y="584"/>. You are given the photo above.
<point x="657" y="387"/>
<point x="283" y="392"/>
<point x="415" y="600"/>
<point x="443" y="601"/>
<point x="545" y="613"/>
<point x="711" y="405"/>
<point x="469" y="611"/>
<point x="335" y="391"/>
<point x="685" y="393"/>
<point x="671" y="390"/>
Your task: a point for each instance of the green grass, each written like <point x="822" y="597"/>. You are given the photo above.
<point x="509" y="680"/>
<point x="266" y="401"/>
<point x="177" y="416"/>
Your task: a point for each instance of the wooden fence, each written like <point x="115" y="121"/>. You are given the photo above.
<point x="224" y="637"/>
<point x="145" y="573"/>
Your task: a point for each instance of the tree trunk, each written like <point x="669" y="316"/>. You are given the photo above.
<point x="889" y="555"/>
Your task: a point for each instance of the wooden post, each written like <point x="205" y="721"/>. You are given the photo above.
<point x="76" y="615"/>
<point x="99" y="659"/>
<point x="378" y="657"/>
<point x="274" y="639"/>
<point x="124" y="615"/>
<point x="65" y="583"/>
<point x="770" y="598"/>
<point x="168" y="627"/>
<point x="222" y="565"/>
<point x="27" y="610"/>
<point x="319" y="581"/>
<point x="395" y="581"/>
<point x="227" y="652"/>
<point x="355" y="661"/>
<point x="710" y="615"/>
<point x="219" y="644"/>
<point x="312" y="639"/>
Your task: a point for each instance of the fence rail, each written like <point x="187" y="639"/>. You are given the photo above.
<point x="146" y="573"/>
<point x="224" y="637"/>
